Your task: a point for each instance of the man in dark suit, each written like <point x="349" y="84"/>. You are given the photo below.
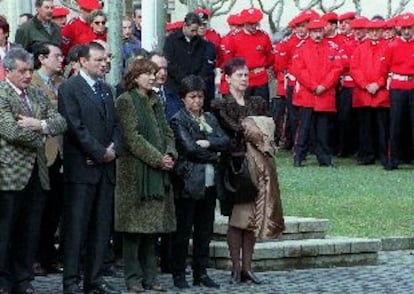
<point x="89" y="147"/>
<point x="26" y="118"/>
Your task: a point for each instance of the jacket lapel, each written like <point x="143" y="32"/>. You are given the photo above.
<point x="17" y="101"/>
<point x="90" y="94"/>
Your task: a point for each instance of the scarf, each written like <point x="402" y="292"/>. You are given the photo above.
<point x="151" y="181"/>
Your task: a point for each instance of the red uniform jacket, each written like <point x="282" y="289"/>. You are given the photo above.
<point x="368" y="65"/>
<point x="279" y="71"/>
<point x="224" y="87"/>
<point x="77" y="32"/>
<point x="256" y="49"/>
<point x="316" y="64"/>
<point x="286" y="51"/>
<point x="400" y="60"/>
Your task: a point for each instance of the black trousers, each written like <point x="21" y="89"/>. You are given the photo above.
<point x="278" y="113"/>
<point x="262" y="91"/>
<point x="20" y="218"/>
<point x="346" y="123"/>
<point x="309" y="119"/>
<point x="373" y="134"/>
<point x="291" y="119"/>
<point x="196" y="217"/>
<point x="47" y="253"/>
<point x="87" y="219"/>
<point x="402" y="107"/>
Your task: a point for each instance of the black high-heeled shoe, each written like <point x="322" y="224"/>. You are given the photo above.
<point x="235" y="277"/>
<point x="249" y="276"/>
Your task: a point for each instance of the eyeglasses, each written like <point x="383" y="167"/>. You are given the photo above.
<point x="99" y="23"/>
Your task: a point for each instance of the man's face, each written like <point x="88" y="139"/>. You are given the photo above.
<point x="202" y="29"/>
<point x="251" y="27"/>
<point x="190" y="31"/>
<point x="301" y="30"/>
<point x="374" y="34"/>
<point x="53" y="61"/>
<point x="138" y="18"/>
<point x="316" y="35"/>
<point x="126" y="29"/>
<point x="95" y="65"/>
<point x="22" y="75"/>
<point x="360" y="34"/>
<point x="407" y="32"/>
<point x="345" y="26"/>
<point x="84" y="13"/>
<point x="388" y="33"/>
<point x="60" y="21"/>
<point x="45" y="12"/>
<point x="330" y="28"/>
<point x="161" y="75"/>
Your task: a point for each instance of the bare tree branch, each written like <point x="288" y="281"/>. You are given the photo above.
<point x="69" y="4"/>
<point x="357" y="4"/>
<point x="335" y="5"/>
<point x="311" y="4"/>
<point x="401" y="7"/>
<point x="215" y="11"/>
<point x="274" y="25"/>
<point x="389" y="8"/>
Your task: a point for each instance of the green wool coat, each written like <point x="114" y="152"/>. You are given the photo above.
<point x="133" y="215"/>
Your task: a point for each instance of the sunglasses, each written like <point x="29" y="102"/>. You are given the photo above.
<point x="99" y="23"/>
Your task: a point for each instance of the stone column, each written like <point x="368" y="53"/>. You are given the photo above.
<point x="114" y="12"/>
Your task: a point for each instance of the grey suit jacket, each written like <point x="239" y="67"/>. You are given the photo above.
<point x="91" y="129"/>
<point x="20" y="147"/>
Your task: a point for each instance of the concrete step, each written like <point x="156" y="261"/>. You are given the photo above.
<point x="297" y="228"/>
<point x="310" y="253"/>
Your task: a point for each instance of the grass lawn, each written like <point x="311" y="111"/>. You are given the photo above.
<point x="362" y="201"/>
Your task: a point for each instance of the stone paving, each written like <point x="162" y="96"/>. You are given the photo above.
<point x="393" y="274"/>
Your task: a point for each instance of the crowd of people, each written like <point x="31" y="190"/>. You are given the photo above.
<point x="133" y="172"/>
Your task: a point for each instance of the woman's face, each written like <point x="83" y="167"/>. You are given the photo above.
<point x="98" y="25"/>
<point x="193" y="101"/>
<point x="145" y="81"/>
<point x="239" y="80"/>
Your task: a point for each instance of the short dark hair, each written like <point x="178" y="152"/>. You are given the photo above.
<point x="233" y="65"/>
<point x="84" y="50"/>
<point x="73" y="54"/>
<point x="191" y="83"/>
<point x="39" y="3"/>
<point x="192" y="18"/>
<point x="137" y="68"/>
<point x="378" y="17"/>
<point x="28" y="15"/>
<point x="4" y="25"/>
<point x="41" y="48"/>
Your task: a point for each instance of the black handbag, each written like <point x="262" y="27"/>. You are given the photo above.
<point x="238" y="184"/>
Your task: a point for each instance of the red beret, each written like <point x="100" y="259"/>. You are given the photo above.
<point x="405" y="20"/>
<point x="59" y="11"/>
<point x="203" y="13"/>
<point x="389" y="24"/>
<point x="251" y="15"/>
<point x="330" y="16"/>
<point x="347" y="15"/>
<point x="89" y="4"/>
<point x="234" y="20"/>
<point x="376" y="24"/>
<point x="359" y="22"/>
<point x="304" y="16"/>
<point x="316" y="24"/>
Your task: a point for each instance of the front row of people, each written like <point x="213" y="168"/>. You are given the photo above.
<point x="167" y="178"/>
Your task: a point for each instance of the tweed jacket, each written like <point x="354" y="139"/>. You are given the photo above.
<point x="33" y="31"/>
<point x="20" y="148"/>
<point x="52" y="143"/>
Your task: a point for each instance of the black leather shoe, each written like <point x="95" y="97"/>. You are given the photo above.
<point x="38" y="270"/>
<point x="205" y="281"/>
<point x="235" y="277"/>
<point x="250" y="276"/>
<point x="72" y="289"/>
<point x="180" y="282"/>
<point x="102" y="288"/>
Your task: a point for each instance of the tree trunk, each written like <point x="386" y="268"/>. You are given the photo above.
<point x="115" y="10"/>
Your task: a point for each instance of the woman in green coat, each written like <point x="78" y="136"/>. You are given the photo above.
<point x="144" y="205"/>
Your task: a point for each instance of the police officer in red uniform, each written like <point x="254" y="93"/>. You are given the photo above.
<point x="344" y="21"/>
<point x="283" y="62"/>
<point x="331" y="32"/>
<point x="370" y="96"/>
<point x="317" y="67"/>
<point x="400" y="62"/>
<point x="78" y="31"/>
<point x="253" y="45"/>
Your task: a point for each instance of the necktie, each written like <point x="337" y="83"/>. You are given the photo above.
<point x="162" y="94"/>
<point x="99" y="92"/>
<point x="25" y="102"/>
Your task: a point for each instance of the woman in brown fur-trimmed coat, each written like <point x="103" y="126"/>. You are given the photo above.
<point x="251" y="138"/>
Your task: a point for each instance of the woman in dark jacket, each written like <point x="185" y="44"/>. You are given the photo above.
<point x="199" y="140"/>
<point x="248" y="220"/>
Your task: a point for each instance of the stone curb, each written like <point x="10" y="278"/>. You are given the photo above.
<point x="397" y="243"/>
